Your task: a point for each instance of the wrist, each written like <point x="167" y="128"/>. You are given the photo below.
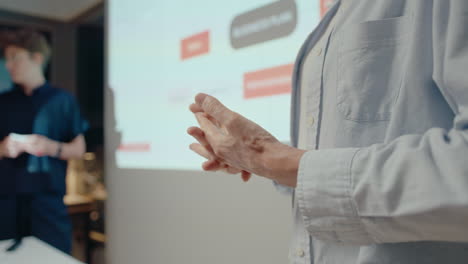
<point x="282" y="163"/>
<point x="52" y="148"/>
<point x="58" y="150"/>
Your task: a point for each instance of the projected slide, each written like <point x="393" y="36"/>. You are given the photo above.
<point x="162" y="53"/>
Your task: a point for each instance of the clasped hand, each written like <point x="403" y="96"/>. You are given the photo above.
<point x="234" y="144"/>
<point x="36" y="145"/>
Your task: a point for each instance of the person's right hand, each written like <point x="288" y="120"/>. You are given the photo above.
<point x="10" y="148"/>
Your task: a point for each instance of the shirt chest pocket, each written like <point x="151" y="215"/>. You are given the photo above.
<point x="371" y="57"/>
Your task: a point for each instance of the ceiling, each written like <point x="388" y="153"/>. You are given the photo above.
<point x="60" y="10"/>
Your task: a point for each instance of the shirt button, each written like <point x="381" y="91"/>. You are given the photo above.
<point x="300" y="252"/>
<point x="311" y="120"/>
<point x="319" y="52"/>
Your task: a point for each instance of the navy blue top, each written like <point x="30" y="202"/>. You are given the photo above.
<point x="50" y="112"/>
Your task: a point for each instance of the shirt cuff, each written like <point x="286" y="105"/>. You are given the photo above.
<point x="324" y="196"/>
<point x="283" y="189"/>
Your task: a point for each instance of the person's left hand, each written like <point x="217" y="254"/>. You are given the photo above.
<point x="229" y="139"/>
<point x="39" y="145"/>
<point x="213" y="163"/>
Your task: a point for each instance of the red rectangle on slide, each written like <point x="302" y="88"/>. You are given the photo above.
<point x="195" y="45"/>
<point x="267" y="82"/>
<point x="135" y="147"/>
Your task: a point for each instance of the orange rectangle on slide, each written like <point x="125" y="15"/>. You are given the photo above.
<point x="135" y="147"/>
<point x="195" y="45"/>
<point x="267" y="82"/>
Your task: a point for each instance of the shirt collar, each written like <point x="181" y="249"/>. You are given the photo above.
<point x="36" y="91"/>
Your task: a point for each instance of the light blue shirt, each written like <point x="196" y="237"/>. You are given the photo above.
<point x="389" y="183"/>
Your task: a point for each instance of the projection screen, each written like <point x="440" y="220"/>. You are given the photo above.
<point x="160" y="53"/>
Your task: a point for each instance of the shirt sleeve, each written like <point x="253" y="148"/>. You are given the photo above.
<point x="76" y="124"/>
<point x="414" y="188"/>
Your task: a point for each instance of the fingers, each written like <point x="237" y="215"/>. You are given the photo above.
<point x="34" y="146"/>
<point x="13" y="149"/>
<point x="199" y="135"/>
<point x="200" y="98"/>
<point x="216" y="165"/>
<point x="213" y="117"/>
<point x="245" y="175"/>
<point x="231" y="170"/>
<point x="212" y="165"/>
<point x="195" y="108"/>
<point x="202" y="151"/>
<point x="212" y="107"/>
<point x="210" y="130"/>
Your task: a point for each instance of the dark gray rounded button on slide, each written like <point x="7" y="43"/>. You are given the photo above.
<point x="263" y="24"/>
